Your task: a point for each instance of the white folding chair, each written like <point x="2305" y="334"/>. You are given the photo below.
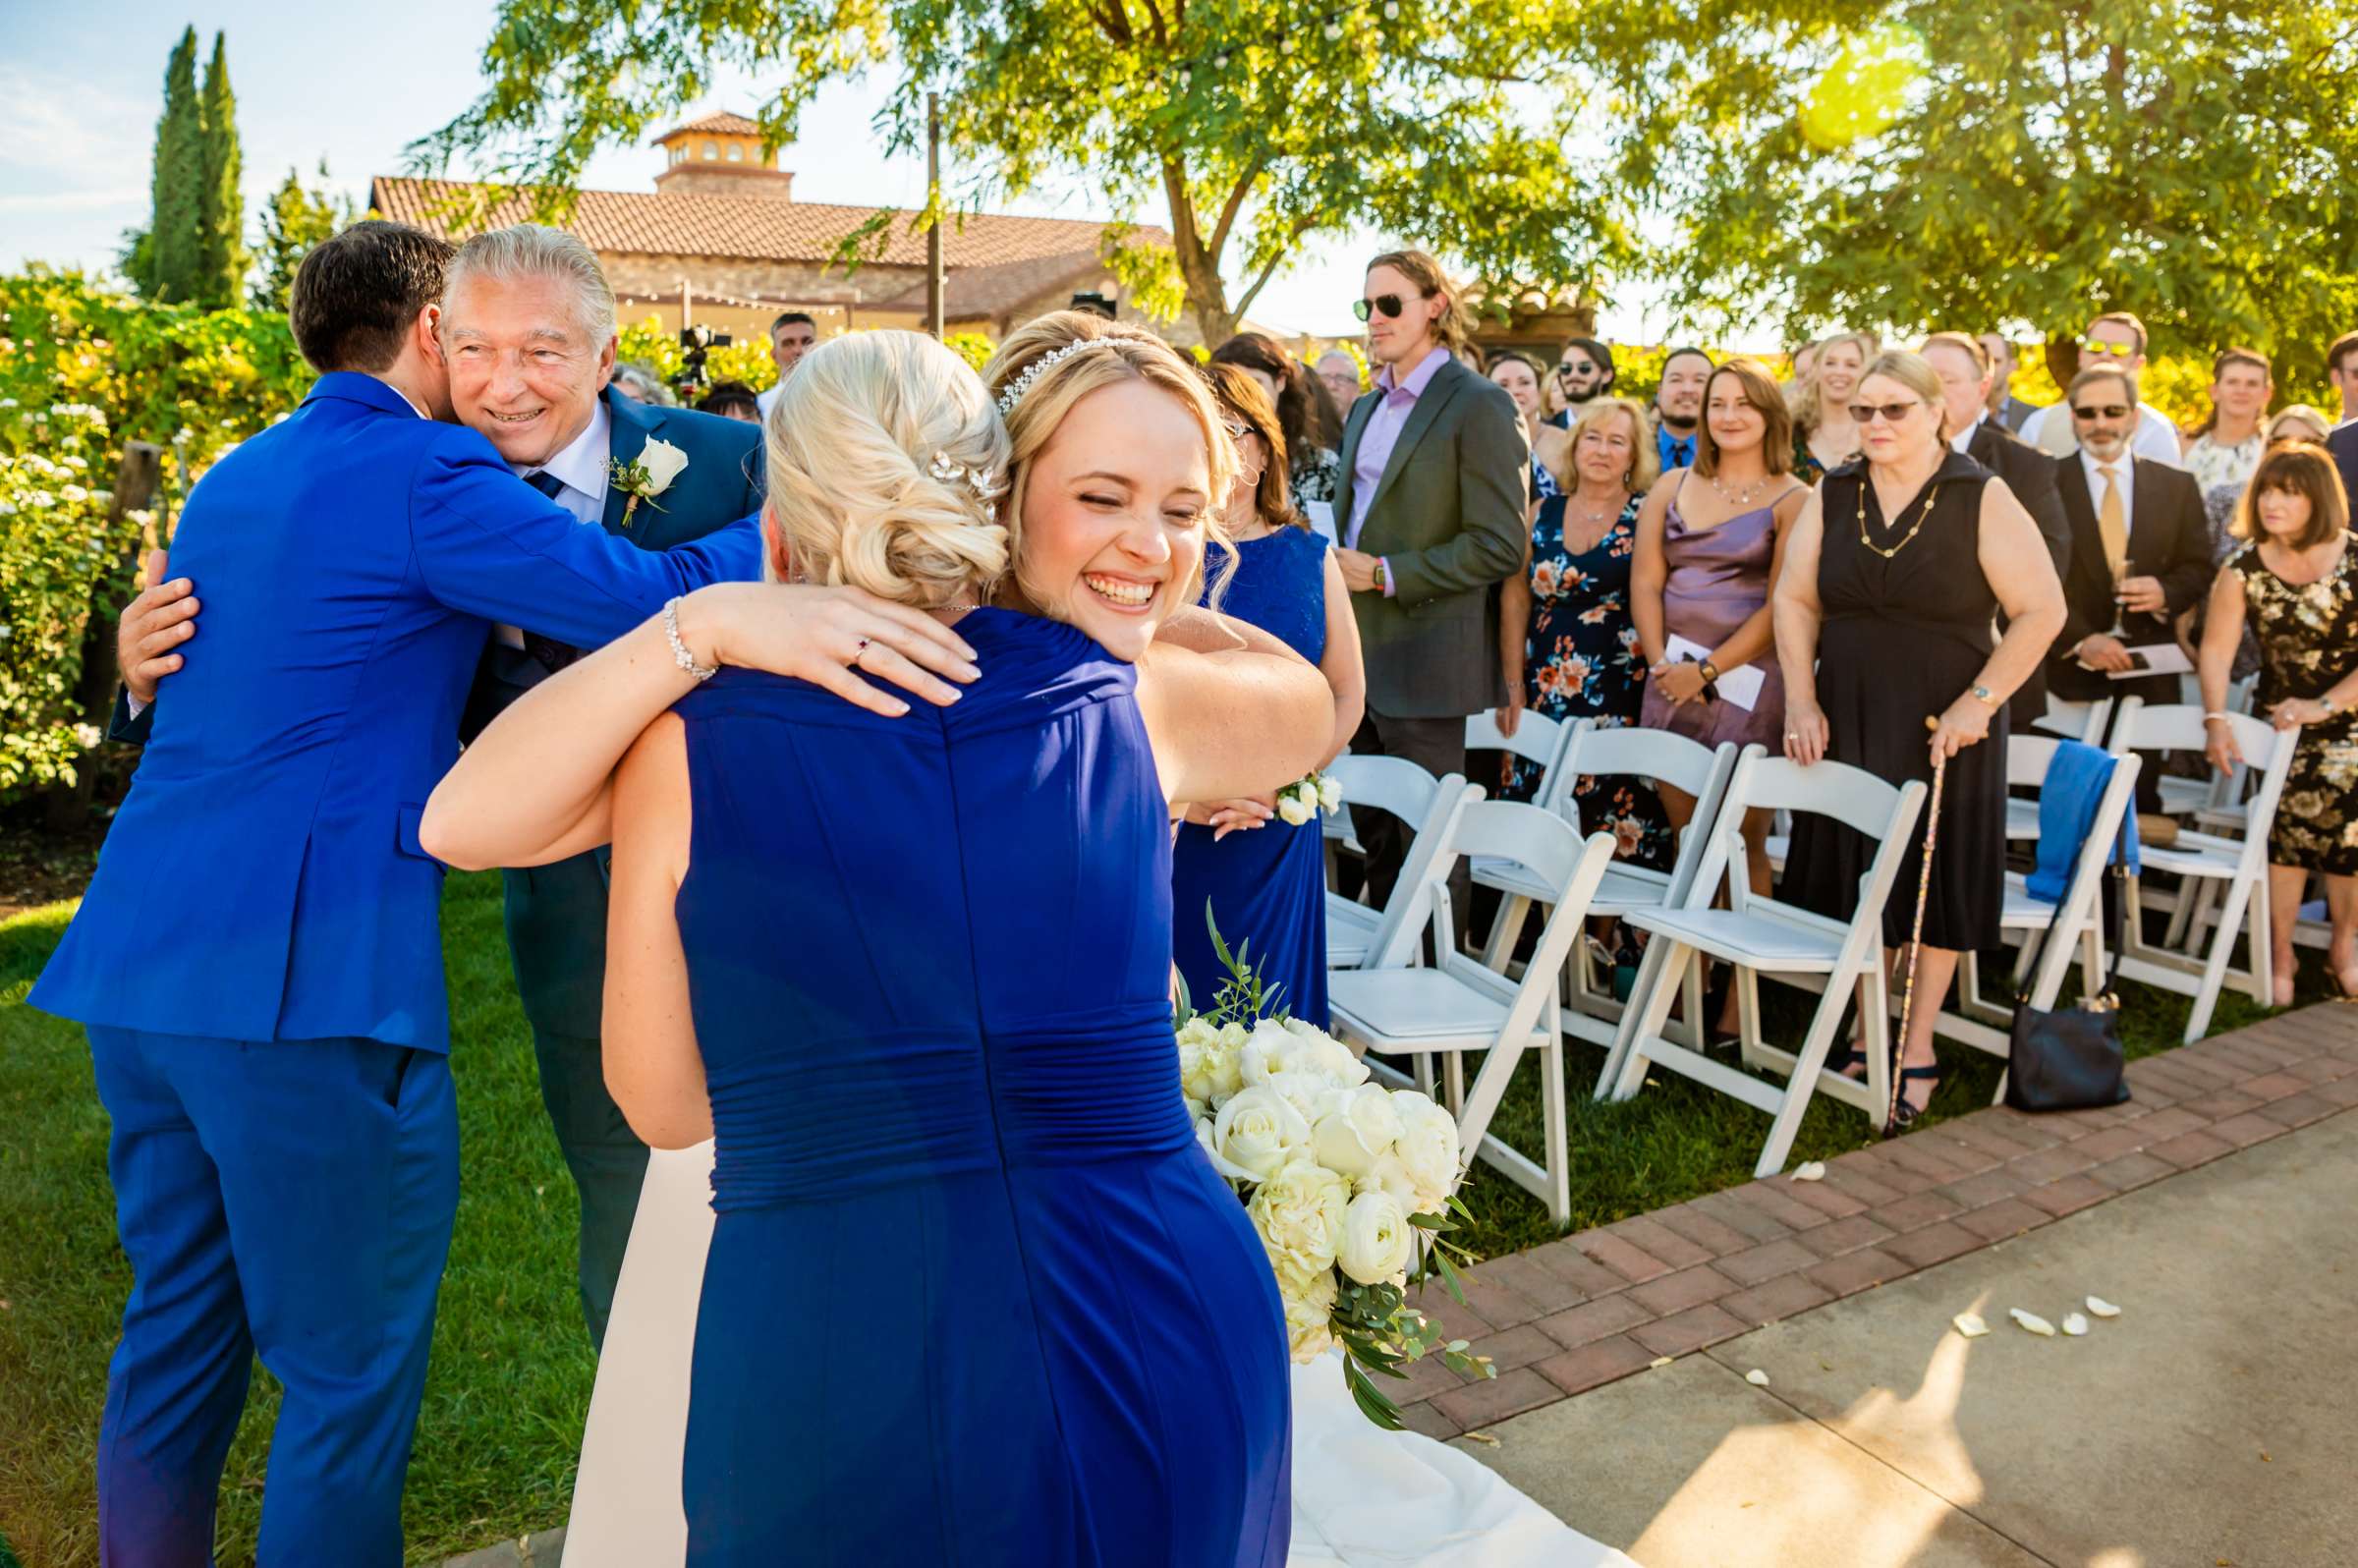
<point x="1356" y="934"/>
<point x="2076" y="918"/>
<point x="2238" y="865"/>
<point x="1537" y="739"/>
<point x="1762" y="935"/>
<point x="1593" y="750"/>
<point x="2076" y="721"/>
<point x="1459" y="1005"/>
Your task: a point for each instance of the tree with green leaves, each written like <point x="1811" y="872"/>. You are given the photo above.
<point x="1263" y="124"/>
<point x="221" y="203"/>
<point x="162" y="259"/>
<point x="296" y="218"/>
<point x="1912" y="164"/>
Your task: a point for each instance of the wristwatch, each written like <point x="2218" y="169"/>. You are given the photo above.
<point x="1711" y="673"/>
<point x="1378" y="571"/>
<point x="1981" y="694"/>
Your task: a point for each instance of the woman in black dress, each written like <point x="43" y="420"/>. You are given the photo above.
<point x="1895" y="571"/>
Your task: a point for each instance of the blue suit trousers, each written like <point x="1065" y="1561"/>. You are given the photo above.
<point x="287" y="1199"/>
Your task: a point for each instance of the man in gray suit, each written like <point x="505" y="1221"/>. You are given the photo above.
<point x="1430" y="508"/>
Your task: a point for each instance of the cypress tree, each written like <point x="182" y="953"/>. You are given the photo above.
<point x="221" y="204"/>
<point x="167" y="264"/>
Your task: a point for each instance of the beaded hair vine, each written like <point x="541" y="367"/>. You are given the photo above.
<point x="1032" y="372"/>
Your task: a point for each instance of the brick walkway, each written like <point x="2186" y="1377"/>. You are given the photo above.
<point x="1579" y="1313"/>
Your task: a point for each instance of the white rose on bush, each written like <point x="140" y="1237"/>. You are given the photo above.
<point x="1428" y="1143"/>
<point x="1299" y="1212"/>
<point x="1377" y="1240"/>
<point x="1309" y="1315"/>
<point x="1254" y="1134"/>
<point x="1354" y="1128"/>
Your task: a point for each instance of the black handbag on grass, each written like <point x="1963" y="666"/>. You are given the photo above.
<point x="2071" y="1059"/>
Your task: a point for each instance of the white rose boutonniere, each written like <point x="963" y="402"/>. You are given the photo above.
<point x="658" y="464"/>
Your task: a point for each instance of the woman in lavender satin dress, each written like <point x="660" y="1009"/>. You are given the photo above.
<point x="1710" y="541"/>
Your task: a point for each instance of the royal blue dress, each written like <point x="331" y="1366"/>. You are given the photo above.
<point x="975" y="1295"/>
<point x="1267" y="885"/>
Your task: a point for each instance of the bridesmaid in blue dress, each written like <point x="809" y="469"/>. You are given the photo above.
<point x="1263" y="878"/>
<point x="973" y="1295"/>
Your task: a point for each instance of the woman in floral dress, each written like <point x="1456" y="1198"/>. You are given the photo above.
<point x="2296" y="578"/>
<point x="1565" y="637"/>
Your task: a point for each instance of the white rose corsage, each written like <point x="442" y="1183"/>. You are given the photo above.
<point x="1301" y="801"/>
<point x="657" y="464"/>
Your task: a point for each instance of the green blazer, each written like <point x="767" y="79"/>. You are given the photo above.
<point x="556" y="913"/>
<point x="1448" y="520"/>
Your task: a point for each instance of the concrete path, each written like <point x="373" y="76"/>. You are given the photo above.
<point x="2214" y="1422"/>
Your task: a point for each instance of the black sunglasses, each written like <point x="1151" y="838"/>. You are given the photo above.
<point x="2108" y="410"/>
<point x="1572" y="367"/>
<point x="1892" y="413"/>
<point x="1388" y="303"/>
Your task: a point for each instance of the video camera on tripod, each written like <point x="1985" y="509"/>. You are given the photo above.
<point x="697" y="342"/>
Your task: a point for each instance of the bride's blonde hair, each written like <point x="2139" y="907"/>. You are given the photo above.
<point x="887" y="464"/>
<point x="1059" y="358"/>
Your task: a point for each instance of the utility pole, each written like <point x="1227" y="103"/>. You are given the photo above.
<point x="936" y="305"/>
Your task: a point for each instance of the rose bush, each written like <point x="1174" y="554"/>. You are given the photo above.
<point x="83" y="371"/>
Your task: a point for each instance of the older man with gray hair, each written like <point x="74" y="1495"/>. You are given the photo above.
<point x="528" y="332"/>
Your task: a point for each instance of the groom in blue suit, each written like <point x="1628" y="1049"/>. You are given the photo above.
<point x="285" y="1143"/>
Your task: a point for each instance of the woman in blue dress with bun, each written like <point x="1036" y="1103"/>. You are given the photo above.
<point x="1262" y="879"/>
<point x="973" y="1293"/>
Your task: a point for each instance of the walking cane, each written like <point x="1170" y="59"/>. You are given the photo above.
<point x="1923" y="887"/>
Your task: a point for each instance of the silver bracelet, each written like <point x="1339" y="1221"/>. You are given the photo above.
<point x="679" y="649"/>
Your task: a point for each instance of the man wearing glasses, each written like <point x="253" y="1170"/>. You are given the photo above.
<point x="2140" y="552"/>
<point x="2114" y="341"/>
<point x="1584" y="373"/>
<point x="1430" y="503"/>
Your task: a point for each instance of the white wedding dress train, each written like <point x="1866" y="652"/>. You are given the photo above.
<point x="1363" y="1498"/>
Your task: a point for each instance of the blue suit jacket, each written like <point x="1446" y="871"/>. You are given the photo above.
<point x="263" y="879"/>
<point x="2344" y="445"/>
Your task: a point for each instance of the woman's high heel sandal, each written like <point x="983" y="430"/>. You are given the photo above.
<point x="1903" y="1114"/>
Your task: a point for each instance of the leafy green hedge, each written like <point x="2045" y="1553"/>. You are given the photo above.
<point x="84" y="370"/>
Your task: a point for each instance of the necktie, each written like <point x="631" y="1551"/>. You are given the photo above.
<point x="2113" y="523"/>
<point x="551" y="654"/>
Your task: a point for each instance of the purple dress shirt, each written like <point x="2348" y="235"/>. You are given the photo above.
<point x="1379" y="435"/>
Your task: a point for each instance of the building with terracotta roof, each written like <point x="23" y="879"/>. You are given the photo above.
<point x="721" y="242"/>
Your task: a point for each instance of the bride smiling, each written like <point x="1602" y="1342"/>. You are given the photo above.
<point x="973" y="1291"/>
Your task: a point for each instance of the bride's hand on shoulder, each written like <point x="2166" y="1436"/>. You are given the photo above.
<point x="821" y="635"/>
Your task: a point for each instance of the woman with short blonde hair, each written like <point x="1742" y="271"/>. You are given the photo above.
<point x="1566" y="644"/>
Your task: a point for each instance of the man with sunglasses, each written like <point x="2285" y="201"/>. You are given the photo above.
<point x="1584" y="373"/>
<point x="1430" y="504"/>
<point x="2141" y="551"/>
<point x="2114" y="341"/>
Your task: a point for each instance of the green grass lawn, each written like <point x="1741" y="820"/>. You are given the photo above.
<point x="511" y="1374"/>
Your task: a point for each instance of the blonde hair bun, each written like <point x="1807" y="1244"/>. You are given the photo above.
<point x="886" y="461"/>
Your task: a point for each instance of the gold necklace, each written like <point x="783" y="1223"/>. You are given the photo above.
<point x="1923" y="512"/>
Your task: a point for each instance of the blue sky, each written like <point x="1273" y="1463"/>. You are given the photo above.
<point x="355" y="84"/>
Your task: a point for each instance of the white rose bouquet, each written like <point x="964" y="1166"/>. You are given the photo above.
<point x="1303" y="800"/>
<point x="1351" y="1186"/>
